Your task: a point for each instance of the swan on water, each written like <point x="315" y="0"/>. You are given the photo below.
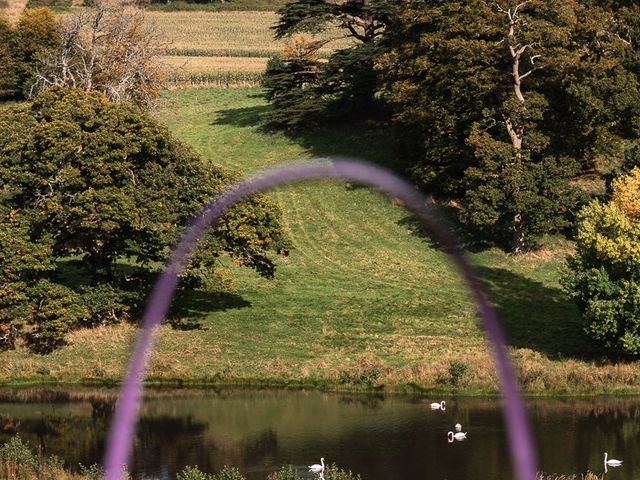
<point x="438" y="406"/>
<point x="613" y="462"/>
<point x="458" y="436"/>
<point x="315" y="468"/>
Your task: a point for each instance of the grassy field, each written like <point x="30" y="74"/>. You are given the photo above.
<point x="235" y="5"/>
<point x="363" y="301"/>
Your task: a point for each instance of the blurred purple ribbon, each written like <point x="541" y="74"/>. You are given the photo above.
<point x="123" y="427"/>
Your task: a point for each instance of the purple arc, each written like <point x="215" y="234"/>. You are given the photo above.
<point x="120" y="440"/>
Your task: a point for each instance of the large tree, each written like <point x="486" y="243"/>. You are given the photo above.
<point x="81" y="176"/>
<point x="345" y="85"/>
<point x="489" y="97"/>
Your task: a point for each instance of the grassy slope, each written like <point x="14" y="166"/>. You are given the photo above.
<point x="360" y="298"/>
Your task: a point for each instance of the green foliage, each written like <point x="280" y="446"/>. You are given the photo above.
<point x="193" y="473"/>
<point x="37" y="33"/>
<point x="604" y="275"/>
<point x="285" y="473"/>
<point x="504" y="148"/>
<point x="55" y="309"/>
<point x="333" y="472"/>
<point x="457" y="370"/>
<point x="85" y="177"/>
<point x="92" y="472"/>
<point x="291" y="84"/>
<point x="306" y="92"/>
<point x="15" y="453"/>
<point x="228" y="473"/>
<point x="8" y="77"/>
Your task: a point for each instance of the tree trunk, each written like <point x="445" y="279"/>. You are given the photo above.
<point x="518" y="240"/>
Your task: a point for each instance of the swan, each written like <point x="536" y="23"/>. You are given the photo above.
<point x="438" y="406"/>
<point x="613" y="462"/>
<point x="458" y="436"/>
<point x="315" y="468"/>
<point x="458" y="427"/>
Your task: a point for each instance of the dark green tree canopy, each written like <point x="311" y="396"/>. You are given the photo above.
<point x="504" y="104"/>
<point x="345" y="86"/>
<point x="83" y="177"/>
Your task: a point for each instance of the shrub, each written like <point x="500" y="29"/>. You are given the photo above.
<point x="56" y="309"/>
<point x="457" y="370"/>
<point x="17" y="460"/>
<point x="92" y="472"/>
<point x="228" y="473"/>
<point x="285" y="473"/>
<point x="332" y="472"/>
<point x="604" y="275"/>
<point x="193" y="473"/>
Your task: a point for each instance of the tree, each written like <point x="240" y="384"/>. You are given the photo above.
<point x="109" y="49"/>
<point x="37" y="33"/>
<point x="488" y="96"/>
<point x="345" y="85"/>
<point x="603" y="277"/>
<point x="8" y="78"/>
<point x="84" y="177"/>
<point x="22" y="47"/>
<point x="291" y="81"/>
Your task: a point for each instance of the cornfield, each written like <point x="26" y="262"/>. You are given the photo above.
<point x="223" y="49"/>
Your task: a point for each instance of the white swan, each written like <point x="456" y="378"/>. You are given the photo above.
<point x="458" y="427"/>
<point x="613" y="462"/>
<point x="315" y="468"/>
<point x="458" y="436"/>
<point x="438" y="406"/>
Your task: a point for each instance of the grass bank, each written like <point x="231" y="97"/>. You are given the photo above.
<point x="363" y="302"/>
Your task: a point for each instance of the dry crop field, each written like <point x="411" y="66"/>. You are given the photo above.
<point x="223" y="48"/>
<point x="12" y="8"/>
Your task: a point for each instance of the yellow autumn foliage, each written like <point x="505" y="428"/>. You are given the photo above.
<point x="626" y="194"/>
<point x="300" y="47"/>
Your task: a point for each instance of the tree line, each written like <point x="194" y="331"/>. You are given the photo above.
<point x="518" y="112"/>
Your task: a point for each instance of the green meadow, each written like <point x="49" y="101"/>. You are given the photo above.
<point x="363" y="301"/>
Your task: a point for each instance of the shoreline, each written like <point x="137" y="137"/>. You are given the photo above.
<point x="176" y="385"/>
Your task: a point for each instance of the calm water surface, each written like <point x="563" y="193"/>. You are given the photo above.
<point x="381" y="438"/>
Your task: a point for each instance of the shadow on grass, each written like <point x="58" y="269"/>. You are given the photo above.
<point x="446" y="216"/>
<point x="533" y="315"/>
<point x="243" y="117"/>
<point x="194" y="305"/>
<point x="368" y="142"/>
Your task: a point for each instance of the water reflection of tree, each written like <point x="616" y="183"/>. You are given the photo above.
<point x="373" y="402"/>
<point x="169" y="440"/>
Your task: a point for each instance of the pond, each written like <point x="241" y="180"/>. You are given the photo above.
<point x="388" y="437"/>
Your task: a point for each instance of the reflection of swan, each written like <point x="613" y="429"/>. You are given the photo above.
<point x="458" y="427"/>
<point x="438" y="406"/>
<point x="613" y="462"/>
<point x="315" y="468"/>
<point x="458" y="436"/>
